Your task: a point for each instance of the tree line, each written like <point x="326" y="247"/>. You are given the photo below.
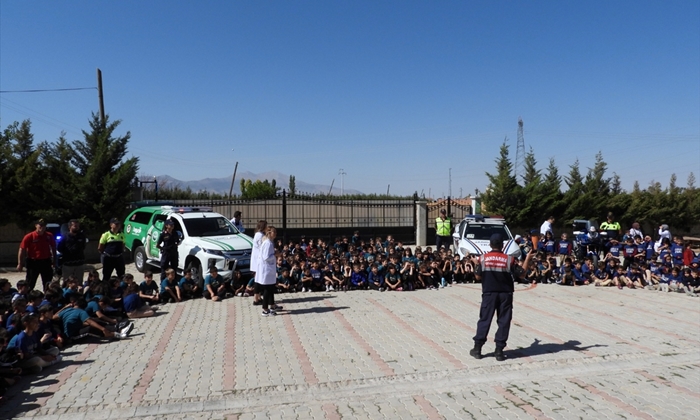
<point x="255" y="190"/>
<point x="526" y="202"/>
<point x="88" y="179"/>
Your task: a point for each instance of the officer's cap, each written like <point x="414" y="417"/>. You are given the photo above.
<point x="496" y="241"/>
<point x="114" y="221"/>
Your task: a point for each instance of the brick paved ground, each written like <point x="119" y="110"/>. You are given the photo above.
<point x="580" y="352"/>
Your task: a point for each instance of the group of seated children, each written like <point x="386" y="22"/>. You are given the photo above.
<point x="382" y="265"/>
<point x="34" y="325"/>
<point x="634" y="262"/>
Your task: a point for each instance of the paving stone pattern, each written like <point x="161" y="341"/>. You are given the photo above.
<point x="583" y="352"/>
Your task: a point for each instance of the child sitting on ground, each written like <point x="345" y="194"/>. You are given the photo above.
<point x="134" y="306"/>
<point x="33" y="357"/>
<point x="188" y="287"/>
<point x="169" y="288"/>
<point x="148" y="289"/>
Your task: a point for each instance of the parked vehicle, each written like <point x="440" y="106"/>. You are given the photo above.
<point x="472" y="235"/>
<point x="208" y="240"/>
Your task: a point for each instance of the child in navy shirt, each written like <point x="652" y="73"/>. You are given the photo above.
<point x="134" y="305"/>
<point x="601" y="277"/>
<point x="148" y="289"/>
<point x="578" y="277"/>
<point x="375" y="279"/>
<point x="677" y="250"/>
<point x="564" y="246"/>
<point x="620" y="278"/>
<point x="358" y="279"/>
<point x="6" y="291"/>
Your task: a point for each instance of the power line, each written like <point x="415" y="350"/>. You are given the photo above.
<point x="46" y="90"/>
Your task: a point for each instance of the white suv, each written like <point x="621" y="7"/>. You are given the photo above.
<point x="208" y="240"/>
<point x="472" y="236"/>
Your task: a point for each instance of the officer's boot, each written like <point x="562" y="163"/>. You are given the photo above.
<point x="476" y="351"/>
<point x="499" y="354"/>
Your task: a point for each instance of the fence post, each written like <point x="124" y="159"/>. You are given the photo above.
<point x="421" y="222"/>
<point x="284" y="217"/>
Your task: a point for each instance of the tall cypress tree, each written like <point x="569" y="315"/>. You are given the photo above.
<point x="105" y="177"/>
<point x="531" y="209"/>
<point x="575" y="205"/>
<point x="502" y="196"/>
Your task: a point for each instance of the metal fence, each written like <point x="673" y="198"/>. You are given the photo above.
<point x="294" y="213"/>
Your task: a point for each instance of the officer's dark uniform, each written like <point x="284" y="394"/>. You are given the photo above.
<point x="497" y="271"/>
<point x="167" y="243"/>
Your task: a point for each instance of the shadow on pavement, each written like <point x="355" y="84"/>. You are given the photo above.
<point x="538" y="348"/>
<point x="313" y="298"/>
<point x="19" y="400"/>
<point x="316" y="310"/>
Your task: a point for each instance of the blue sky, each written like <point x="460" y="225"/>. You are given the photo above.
<point x="393" y="92"/>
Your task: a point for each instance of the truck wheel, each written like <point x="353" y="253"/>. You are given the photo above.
<point x="195" y="268"/>
<point x="140" y="259"/>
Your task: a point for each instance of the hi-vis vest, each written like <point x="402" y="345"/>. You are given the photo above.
<point x="443" y="227"/>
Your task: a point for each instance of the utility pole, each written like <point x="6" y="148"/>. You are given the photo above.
<point x="342" y="174"/>
<point x="519" y="168"/>
<point x="233" y="180"/>
<point x="449" y="188"/>
<point x="100" y="96"/>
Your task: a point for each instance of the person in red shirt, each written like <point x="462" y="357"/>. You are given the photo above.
<point x="688" y="255"/>
<point x="39" y="250"/>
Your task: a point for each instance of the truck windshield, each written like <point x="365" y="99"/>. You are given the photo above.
<point x="483" y="232"/>
<point x="214" y="226"/>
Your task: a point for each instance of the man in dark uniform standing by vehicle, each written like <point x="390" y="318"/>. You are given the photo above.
<point x="111" y="247"/>
<point x="167" y="243"/>
<point x="72" y="249"/>
<point x="496" y="271"/>
<point x="39" y="249"/>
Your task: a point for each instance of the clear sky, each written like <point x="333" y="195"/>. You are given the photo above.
<point x="393" y="92"/>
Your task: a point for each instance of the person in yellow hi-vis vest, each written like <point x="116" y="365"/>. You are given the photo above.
<point x="443" y="231"/>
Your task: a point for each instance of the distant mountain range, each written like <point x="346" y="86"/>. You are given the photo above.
<point x="222" y="185"/>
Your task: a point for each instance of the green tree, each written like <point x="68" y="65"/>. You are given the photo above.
<point x="60" y="181"/>
<point x="258" y="190"/>
<point x="5" y="175"/>
<point x="551" y="199"/>
<point x="502" y="196"/>
<point x="24" y="179"/>
<point x="105" y="176"/>
<point x="531" y="210"/>
<point x="596" y="189"/>
<point x="575" y="204"/>
<point x="292" y="185"/>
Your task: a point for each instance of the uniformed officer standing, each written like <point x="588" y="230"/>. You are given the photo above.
<point x="111" y="246"/>
<point x="443" y="230"/>
<point x="167" y="243"/>
<point x="496" y="271"/>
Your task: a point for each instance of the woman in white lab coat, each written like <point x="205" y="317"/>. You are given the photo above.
<point x="266" y="276"/>
<point x="255" y="256"/>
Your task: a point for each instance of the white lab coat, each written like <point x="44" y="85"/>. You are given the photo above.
<point x="255" y="252"/>
<point x="267" y="273"/>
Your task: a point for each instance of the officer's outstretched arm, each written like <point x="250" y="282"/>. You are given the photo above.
<point x="526" y="264"/>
